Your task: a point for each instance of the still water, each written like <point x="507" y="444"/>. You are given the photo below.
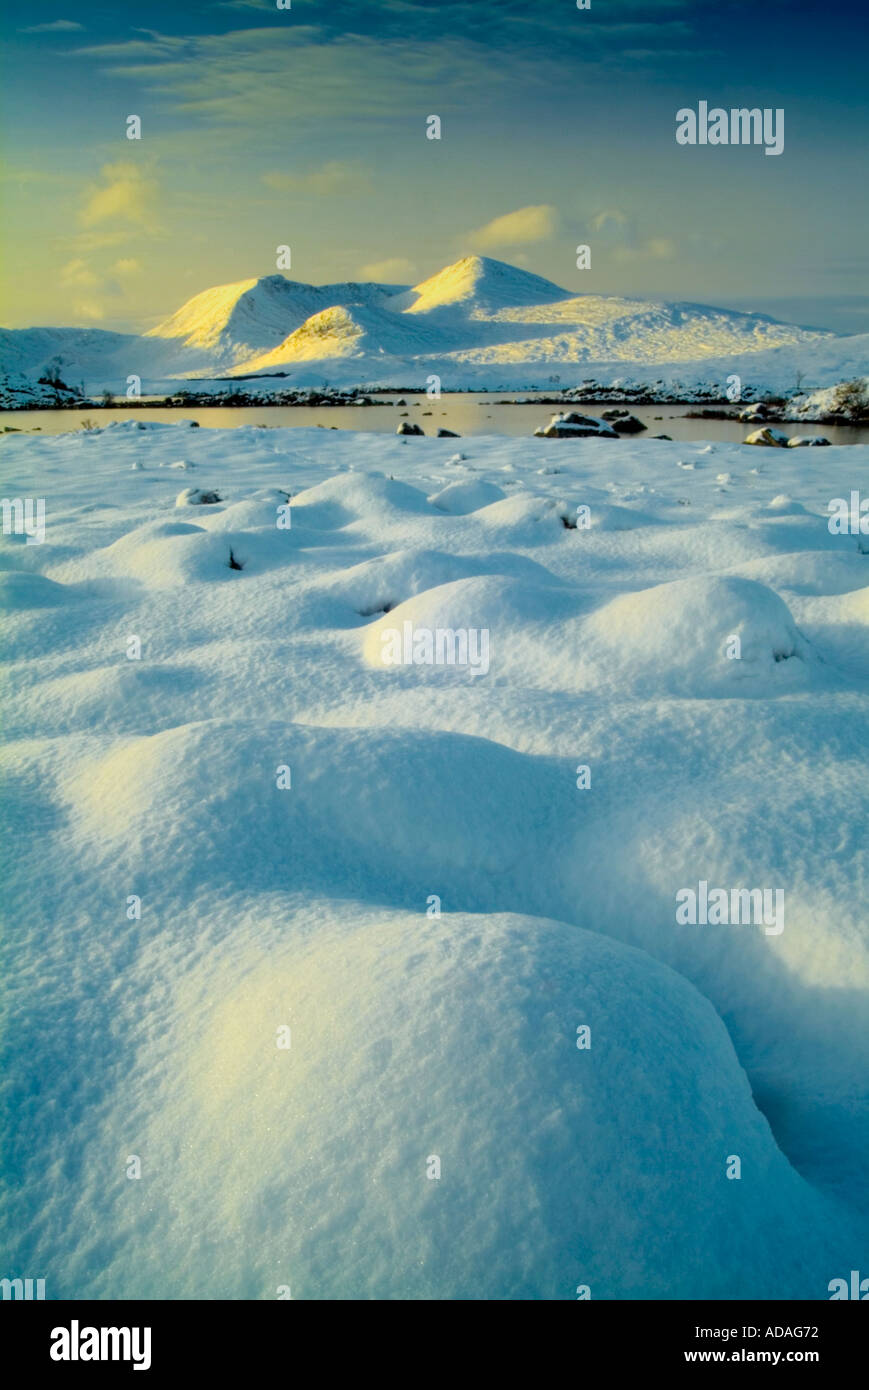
<point x="465" y="413"/>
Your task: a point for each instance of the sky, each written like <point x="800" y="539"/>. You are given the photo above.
<point x="306" y="127"/>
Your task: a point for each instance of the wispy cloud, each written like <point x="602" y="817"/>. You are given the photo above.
<point x="659" y="248"/>
<point x="618" y="233"/>
<point x="77" y="274"/>
<point x="523" y="227"/>
<point x="126" y="195"/>
<point x="396" y="270"/>
<point x="333" y="178"/>
<point x="89" y="309"/>
<point x="116" y="209"/>
<point x="284" y="77"/>
<point x="57" y="26"/>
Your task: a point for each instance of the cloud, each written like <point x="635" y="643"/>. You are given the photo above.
<point x="57" y="26"/>
<point x="77" y="274"/>
<point x="610" y="217"/>
<point x="655" y="249"/>
<point x="114" y="210"/>
<point x="356" y="61"/>
<point x="334" y="178"/>
<point x="88" y="309"/>
<point x="126" y="195"/>
<point x="520" y="228"/>
<point x="282" y="76"/>
<point x="398" y="270"/>
<point x="619" y="235"/>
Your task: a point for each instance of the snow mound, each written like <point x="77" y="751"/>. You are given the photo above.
<point x="20" y="590"/>
<point x="355" y="792"/>
<point x="167" y="554"/>
<point x="462" y="498"/>
<point x="350" y="497"/>
<point x="678" y="636"/>
<point x="440" y="1135"/>
<point x="506" y="621"/>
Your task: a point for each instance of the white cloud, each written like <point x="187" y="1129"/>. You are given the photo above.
<point x="520" y="228"/>
<point x="126" y="195"/>
<point x="77" y="274"/>
<point x="397" y="270"/>
<point x="57" y="26"/>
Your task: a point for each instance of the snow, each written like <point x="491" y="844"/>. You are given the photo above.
<point x="476" y="324"/>
<point x="610" y="581"/>
<point x="480" y="284"/>
<point x="236" y="323"/>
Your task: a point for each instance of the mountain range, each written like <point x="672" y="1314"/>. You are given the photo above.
<point x="475" y="321"/>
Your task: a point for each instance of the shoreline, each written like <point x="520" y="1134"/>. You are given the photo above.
<point x="718" y="408"/>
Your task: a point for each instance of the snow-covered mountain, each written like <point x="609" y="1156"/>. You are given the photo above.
<point x="477" y="284"/>
<point x="478" y="322"/>
<point x="233" y="323"/>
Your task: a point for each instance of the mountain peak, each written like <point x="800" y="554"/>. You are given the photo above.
<point x="249" y="317"/>
<point x="489" y="283"/>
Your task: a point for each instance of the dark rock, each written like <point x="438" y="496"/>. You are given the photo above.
<point x="628" y="424"/>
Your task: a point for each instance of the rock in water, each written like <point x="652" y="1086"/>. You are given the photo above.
<point x="574" y="426"/>
<point x="773" y="439"/>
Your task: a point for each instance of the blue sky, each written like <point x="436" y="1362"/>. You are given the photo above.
<point x="263" y="127"/>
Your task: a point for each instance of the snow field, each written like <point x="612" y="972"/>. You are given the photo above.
<point x="418" y="1036"/>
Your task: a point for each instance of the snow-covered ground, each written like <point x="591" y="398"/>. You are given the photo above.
<point x="327" y="1085"/>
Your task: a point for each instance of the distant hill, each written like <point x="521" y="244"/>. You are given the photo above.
<point x="476" y="322"/>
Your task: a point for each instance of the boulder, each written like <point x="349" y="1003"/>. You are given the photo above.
<point x="773" y="439"/>
<point x="807" y="441"/>
<point x="756" y="411"/>
<point x="574" y="426"/>
<point x="628" y="424"/>
<point x="448" y="434"/>
<point x="405" y="428"/>
<point x="197" y="497"/>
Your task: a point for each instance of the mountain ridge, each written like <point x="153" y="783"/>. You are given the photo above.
<point x="474" y="315"/>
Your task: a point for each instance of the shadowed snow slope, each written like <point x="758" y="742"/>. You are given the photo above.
<point x="314" y="934"/>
